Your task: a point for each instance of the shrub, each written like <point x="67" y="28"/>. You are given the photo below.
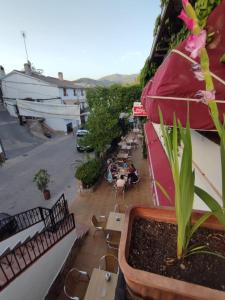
<point x="89" y="172"/>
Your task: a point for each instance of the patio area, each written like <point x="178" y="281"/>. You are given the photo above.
<point x="102" y="202"/>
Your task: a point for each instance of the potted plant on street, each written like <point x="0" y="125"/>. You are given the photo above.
<point x="42" y="178"/>
<point x="179" y="253"/>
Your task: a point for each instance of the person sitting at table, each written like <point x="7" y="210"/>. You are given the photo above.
<point x="109" y="176"/>
<point x="132" y="175"/>
<point x="125" y="165"/>
<point x="120" y="183"/>
<point x="112" y="168"/>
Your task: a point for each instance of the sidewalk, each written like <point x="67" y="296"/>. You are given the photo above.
<point x="101" y="202"/>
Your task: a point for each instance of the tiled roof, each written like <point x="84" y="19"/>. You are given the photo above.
<point x="53" y="80"/>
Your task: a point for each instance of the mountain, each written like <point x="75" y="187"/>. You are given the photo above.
<point x="120" y="79"/>
<point x="107" y="80"/>
<point x="89" y="83"/>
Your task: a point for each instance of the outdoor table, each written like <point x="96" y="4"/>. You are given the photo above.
<point x="99" y="288"/>
<point x="126" y="147"/>
<point x="122" y="155"/>
<point x="130" y="141"/>
<point x="121" y="144"/>
<point x="140" y="136"/>
<point x="115" y="221"/>
<point x="136" y="130"/>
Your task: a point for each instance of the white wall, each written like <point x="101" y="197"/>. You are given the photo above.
<point x="21" y="86"/>
<point x="34" y="283"/>
<point x="56" y="116"/>
<point x="11" y="107"/>
<point x="20" y="236"/>
<point x="60" y="124"/>
<point x="206" y="155"/>
<point x="71" y="96"/>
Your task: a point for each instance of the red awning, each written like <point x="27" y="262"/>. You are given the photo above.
<point x="175" y="78"/>
<point x="159" y="167"/>
<point x="145" y="91"/>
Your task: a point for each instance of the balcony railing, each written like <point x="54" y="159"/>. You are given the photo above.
<point x="14" y="261"/>
<point x="16" y="223"/>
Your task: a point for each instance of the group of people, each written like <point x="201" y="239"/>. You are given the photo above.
<point x="113" y="171"/>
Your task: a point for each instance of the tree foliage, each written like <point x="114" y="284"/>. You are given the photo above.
<point x="105" y="106"/>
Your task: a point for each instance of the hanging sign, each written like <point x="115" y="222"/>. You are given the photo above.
<point x="138" y="110"/>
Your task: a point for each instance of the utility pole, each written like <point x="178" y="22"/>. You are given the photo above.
<point x="25" y="45"/>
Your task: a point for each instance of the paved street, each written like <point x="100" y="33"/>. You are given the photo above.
<point x="19" y="193"/>
<point x="16" y="139"/>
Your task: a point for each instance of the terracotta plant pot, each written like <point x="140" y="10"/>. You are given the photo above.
<point x="153" y="286"/>
<point x="47" y="194"/>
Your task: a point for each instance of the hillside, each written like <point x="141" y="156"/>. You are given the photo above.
<point x="120" y="79"/>
<point x="107" y="80"/>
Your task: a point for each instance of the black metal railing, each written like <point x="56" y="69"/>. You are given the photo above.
<point x="16" y="223"/>
<point x="14" y="262"/>
<point x="50" y="216"/>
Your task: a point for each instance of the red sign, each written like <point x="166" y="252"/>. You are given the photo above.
<point x="138" y="110"/>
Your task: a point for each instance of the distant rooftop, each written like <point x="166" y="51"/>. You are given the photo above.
<point x="61" y="83"/>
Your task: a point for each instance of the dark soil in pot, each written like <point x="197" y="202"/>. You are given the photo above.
<point x="153" y="249"/>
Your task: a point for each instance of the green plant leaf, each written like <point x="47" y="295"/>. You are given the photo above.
<point x="196" y="248"/>
<point x="207" y="252"/>
<point x="212" y="204"/>
<point x="163" y="190"/>
<point x="198" y="223"/>
<point x="222" y="58"/>
<point x="222" y="156"/>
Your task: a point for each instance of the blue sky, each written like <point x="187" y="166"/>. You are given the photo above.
<point x="81" y="38"/>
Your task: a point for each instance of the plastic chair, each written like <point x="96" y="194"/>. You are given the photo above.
<point x="76" y="276"/>
<point x="109" y="263"/>
<point x="120" y="209"/>
<point x="113" y="240"/>
<point x="137" y="181"/>
<point x="99" y="224"/>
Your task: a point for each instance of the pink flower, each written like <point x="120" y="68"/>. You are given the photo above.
<point x="206" y="96"/>
<point x="185" y="3"/>
<point x="195" y="43"/>
<point x="199" y="75"/>
<point x="187" y="20"/>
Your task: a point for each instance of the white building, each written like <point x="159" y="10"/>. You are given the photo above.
<point x="46" y="95"/>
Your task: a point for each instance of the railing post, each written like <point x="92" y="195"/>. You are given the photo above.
<point x="52" y="219"/>
<point x="41" y="213"/>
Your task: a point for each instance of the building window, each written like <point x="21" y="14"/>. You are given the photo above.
<point x="74" y="92"/>
<point x="64" y="92"/>
<point x="82" y="92"/>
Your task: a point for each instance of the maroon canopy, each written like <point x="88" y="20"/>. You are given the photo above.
<point x="159" y="167"/>
<point x="175" y="78"/>
<point x="145" y="91"/>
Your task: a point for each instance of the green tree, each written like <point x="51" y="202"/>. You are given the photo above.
<point x="103" y="128"/>
<point x="105" y="106"/>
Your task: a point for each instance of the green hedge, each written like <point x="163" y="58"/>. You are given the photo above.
<point x="89" y="172"/>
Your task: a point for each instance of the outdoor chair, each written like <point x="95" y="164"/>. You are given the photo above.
<point x="137" y="181"/>
<point x="73" y="278"/>
<point x="109" y="263"/>
<point x="120" y="208"/>
<point x="113" y="240"/>
<point x="119" y="191"/>
<point x="99" y="223"/>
